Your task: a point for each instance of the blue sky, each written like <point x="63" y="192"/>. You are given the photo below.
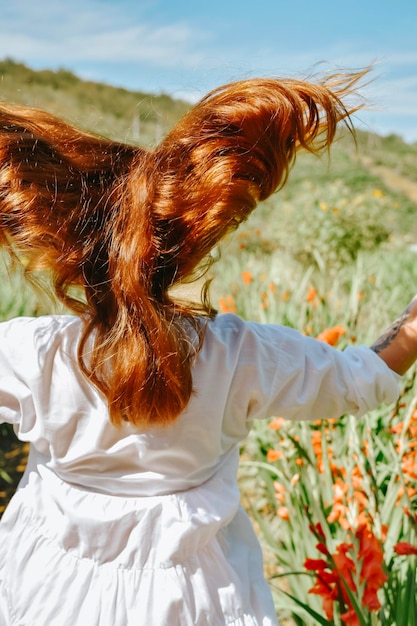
<point x="187" y="47"/>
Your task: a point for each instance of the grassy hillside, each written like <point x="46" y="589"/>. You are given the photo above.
<point x="331" y="210"/>
<point x="144" y="118"/>
<point x="111" y="111"/>
<point x="365" y="193"/>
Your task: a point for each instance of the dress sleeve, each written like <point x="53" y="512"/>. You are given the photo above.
<point x="18" y="366"/>
<point x="279" y="371"/>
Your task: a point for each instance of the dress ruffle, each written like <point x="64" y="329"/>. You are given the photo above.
<point x="77" y="558"/>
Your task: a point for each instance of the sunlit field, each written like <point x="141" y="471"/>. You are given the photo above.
<point x="334" y="502"/>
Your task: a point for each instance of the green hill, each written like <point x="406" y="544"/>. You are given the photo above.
<point x="117" y="113"/>
<point x="373" y="163"/>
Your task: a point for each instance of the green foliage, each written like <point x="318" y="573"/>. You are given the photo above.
<point x="321" y="254"/>
<point x="17" y="297"/>
<point x="337" y="225"/>
<point x="391" y="152"/>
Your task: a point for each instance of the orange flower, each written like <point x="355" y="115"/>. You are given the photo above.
<point x="277" y="423"/>
<point x="317" y="449"/>
<point x="227" y="304"/>
<point x="279" y="492"/>
<point x="409" y="466"/>
<point x="311" y="295"/>
<point x="412" y="429"/>
<point x="247" y="277"/>
<point x="356" y="478"/>
<point x="283" y="513"/>
<point x="332" y="335"/>
<point x="397" y="428"/>
<point x="361" y="498"/>
<point x="339" y="509"/>
<point x="273" y="455"/>
<point x="294" y="479"/>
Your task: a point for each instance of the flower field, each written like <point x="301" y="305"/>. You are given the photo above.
<point x="334" y="502"/>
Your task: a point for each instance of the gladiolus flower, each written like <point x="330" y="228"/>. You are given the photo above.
<point x="279" y="492"/>
<point x="247" y="277"/>
<point x="404" y="548"/>
<point x="294" y="479"/>
<point x="311" y="295"/>
<point x="273" y="455"/>
<point x="227" y="304"/>
<point x="277" y="423"/>
<point x="264" y="300"/>
<point x="337" y="571"/>
<point x="283" y="513"/>
<point x="397" y="428"/>
<point x="372" y="556"/>
<point x="332" y="335"/>
<point x="350" y="618"/>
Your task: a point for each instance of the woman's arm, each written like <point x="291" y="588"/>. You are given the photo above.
<point x="397" y="346"/>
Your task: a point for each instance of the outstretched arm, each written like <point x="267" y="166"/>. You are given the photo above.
<point x="397" y="346"/>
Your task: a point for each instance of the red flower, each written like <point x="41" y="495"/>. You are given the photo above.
<point x="315" y="564"/>
<point x="405" y="548"/>
<point x="350" y="618"/>
<point x="345" y="566"/>
<point x="325" y="585"/>
<point x="372" y="556"/>
<point x="338" y="571"/>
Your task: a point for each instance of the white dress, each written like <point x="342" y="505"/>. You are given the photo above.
<point x="117" y="527"/>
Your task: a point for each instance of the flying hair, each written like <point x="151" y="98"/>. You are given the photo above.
<point x="125" y="224"/>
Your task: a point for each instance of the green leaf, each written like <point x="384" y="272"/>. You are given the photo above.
<point x="5" y="476"/>
<point x="319" y="618"/>
<point x="355" y="605"/>
<point x="410" y="596"/>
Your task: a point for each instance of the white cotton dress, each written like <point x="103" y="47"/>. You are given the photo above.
<point x="118" y="527"/>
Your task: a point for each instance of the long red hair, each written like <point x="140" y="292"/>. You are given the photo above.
<point x="126" y="223"/>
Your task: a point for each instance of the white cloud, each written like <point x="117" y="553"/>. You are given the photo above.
<point x="164" y="46"/>
<point x="94" y="32"/>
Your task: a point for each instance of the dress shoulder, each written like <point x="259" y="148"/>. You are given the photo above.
<point x="27" y="348"/>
